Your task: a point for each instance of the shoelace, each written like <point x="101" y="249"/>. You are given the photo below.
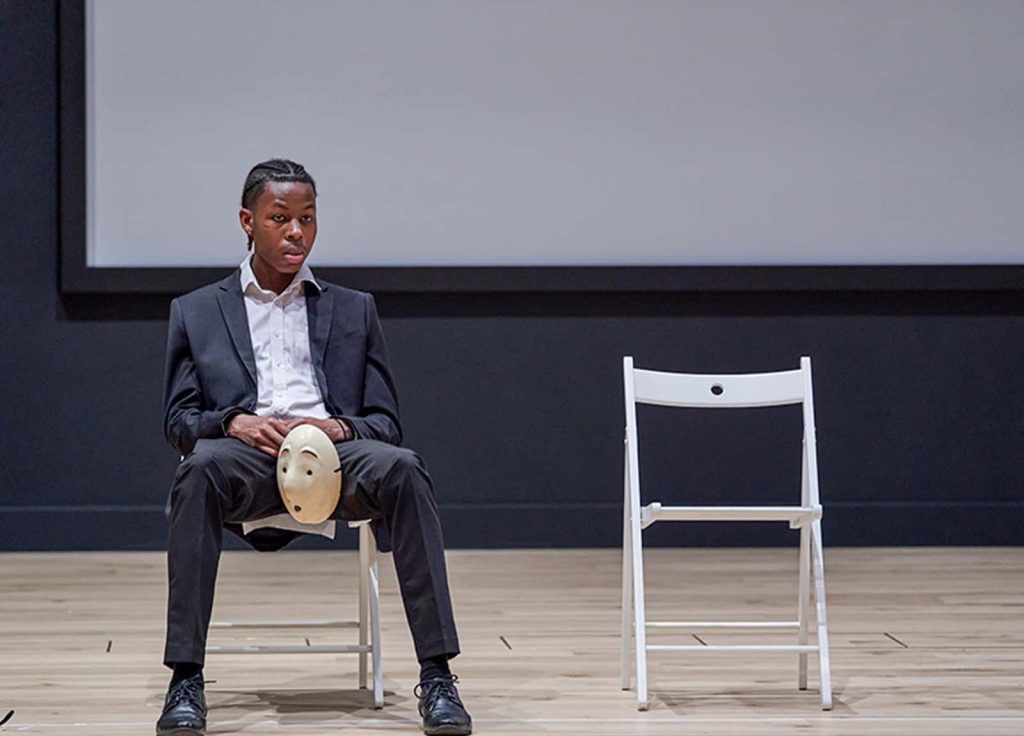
<point x="188" y="689"/>
<point x="434" y="688"/>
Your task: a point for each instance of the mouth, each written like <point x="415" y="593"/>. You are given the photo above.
<point x="294" y="255"/>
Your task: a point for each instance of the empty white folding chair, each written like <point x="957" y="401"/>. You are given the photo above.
<point x="369" y="610"/>
<point x="711" y="392"/>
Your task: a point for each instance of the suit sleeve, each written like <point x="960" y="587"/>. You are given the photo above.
<point x="378" y="418"/>
<point x="185" y="418"/>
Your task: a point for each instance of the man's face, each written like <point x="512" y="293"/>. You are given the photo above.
<point x="282" y="223"/>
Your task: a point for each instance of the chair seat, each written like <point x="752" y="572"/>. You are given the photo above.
<point x="797" y="516"/>
<point x="285" y="521"/>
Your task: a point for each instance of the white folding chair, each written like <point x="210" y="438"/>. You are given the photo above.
<point x="369" y="611"/>
<point x="711" y="392"/>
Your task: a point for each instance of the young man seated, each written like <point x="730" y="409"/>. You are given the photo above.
<point x="249" y="358"/>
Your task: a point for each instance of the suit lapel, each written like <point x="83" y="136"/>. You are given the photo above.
<point x="232" y="307"/>
<point x="319" y="309"/>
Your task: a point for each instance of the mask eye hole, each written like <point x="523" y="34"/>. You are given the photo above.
<point x="309" y="472"/>
<point x="298" y="509"/>
<point x="284" y="469"/>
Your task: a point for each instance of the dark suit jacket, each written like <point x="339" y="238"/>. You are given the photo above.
<point x="211" y="372"/>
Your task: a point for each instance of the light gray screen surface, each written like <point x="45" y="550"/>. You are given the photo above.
<point x="563" y="132"/>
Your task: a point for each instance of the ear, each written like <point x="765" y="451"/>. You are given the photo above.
<point x="245" y="219"/>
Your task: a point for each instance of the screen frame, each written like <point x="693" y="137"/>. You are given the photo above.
<point x="77" y="277"/>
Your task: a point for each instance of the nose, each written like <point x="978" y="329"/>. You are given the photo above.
<point x="293" y="231"/>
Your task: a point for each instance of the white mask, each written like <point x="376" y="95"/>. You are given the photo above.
<point x="309" y="474"/>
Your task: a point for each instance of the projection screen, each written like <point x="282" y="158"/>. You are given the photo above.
<point x="560" y="133"/>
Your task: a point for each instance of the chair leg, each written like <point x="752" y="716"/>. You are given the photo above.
<point x="639" y="615"/>
<point x="374" y="585"/>
<point x="822" y="618"/>
<point x="632" y="532"/>
<point x="365" y="540"/>
<point x="625" y="665"/>
<point x="805" y="592"/>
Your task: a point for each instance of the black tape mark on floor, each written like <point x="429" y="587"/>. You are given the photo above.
<point x="905" y="646"/>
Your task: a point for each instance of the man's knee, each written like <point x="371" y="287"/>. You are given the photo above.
<point x="385" y="459"/>
<point x="399" y="469"/>
<point x="197" y="472"/>
<point x="405" y="460"/>
<point x="203" y="459"/>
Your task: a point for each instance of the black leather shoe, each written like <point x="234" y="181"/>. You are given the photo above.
<point x="184" y="709"/>
<point x="442" y="711"/>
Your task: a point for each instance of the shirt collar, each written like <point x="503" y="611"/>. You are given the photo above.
<point x="248" y="278"/>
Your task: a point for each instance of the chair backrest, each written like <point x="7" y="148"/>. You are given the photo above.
<point x="708" y="391"/>
<point x="724" y="391"/>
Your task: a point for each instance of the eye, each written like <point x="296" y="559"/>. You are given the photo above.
<point x="278" y="218"/>
<point x="307" y="219"/>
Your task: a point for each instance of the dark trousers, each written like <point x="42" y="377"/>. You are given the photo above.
<point x="225" y="480"/>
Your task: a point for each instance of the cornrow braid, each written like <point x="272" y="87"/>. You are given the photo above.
<point x="275" y="169"/>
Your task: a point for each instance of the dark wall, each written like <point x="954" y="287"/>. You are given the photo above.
<point x="515" y="399"/>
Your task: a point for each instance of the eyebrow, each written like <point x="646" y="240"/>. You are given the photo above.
<point x="281" y="204"/>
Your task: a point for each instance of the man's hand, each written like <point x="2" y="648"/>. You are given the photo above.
<point x="337" y="430"/>
<point x="264" y="433"/>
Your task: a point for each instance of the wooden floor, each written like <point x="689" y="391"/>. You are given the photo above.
<point x="924" y="641"/>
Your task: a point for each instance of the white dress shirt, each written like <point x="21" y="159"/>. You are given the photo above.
<point x="286" y="384"/>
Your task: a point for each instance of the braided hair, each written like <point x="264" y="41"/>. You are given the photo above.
<point x="275" y="169"/>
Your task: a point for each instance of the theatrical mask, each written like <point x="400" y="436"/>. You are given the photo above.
<point x="309" y="474"/>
